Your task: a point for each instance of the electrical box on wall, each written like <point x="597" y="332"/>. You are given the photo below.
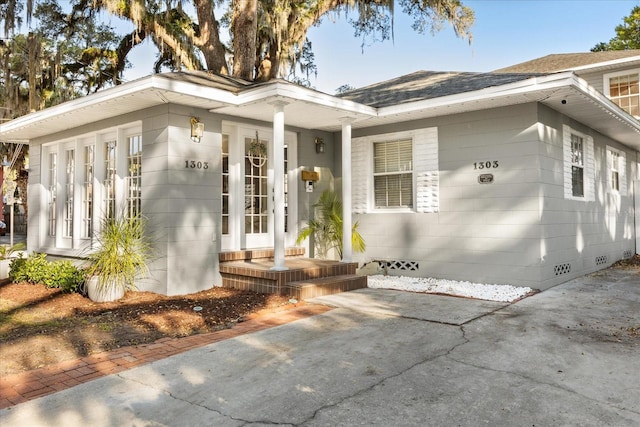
<point x="309" y="186"/>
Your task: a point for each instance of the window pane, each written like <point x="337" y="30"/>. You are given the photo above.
<point x="576" y="150"/>
<point x="577" y="181"/>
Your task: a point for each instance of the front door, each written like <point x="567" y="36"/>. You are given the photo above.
<point x="247" y="187"/>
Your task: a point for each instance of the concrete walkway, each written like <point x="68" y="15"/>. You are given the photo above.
<point x="566" y="356"/>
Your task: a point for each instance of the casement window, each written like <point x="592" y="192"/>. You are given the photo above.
<point x="134" y="176"/>
<point x="67" y="230"/>
<point x="109" y="182"/>
<point x="52" y="175"/>
<point x="225" y="184"/>
<point x="396" y="172"/>
<point x="87" y="191"/>
<point x="86" y="179"/>
<point x="623" y="88"/>
<point x="578" y="165"/>
<point x="616" y="171"/>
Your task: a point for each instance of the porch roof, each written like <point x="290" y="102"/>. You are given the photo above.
<point x="310" y="109"/>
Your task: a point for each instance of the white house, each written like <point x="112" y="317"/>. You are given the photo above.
<point x="525" y="176"/>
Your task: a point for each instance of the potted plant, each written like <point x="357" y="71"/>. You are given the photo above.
<point x="7" y="254"/>
<point x="326" y="227"/>
<point x="121" y="256"/>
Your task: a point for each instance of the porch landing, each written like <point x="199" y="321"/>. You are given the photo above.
<point x="305" y="277"/>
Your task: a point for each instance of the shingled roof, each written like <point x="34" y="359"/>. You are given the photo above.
<point x="428" y="85"/>
<point x="568" y="61"/>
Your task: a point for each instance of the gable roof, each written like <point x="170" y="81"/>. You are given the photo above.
<point x="423" y="85"/>
<point x="572" y="61"/>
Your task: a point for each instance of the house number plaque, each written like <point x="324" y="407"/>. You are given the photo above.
<point x="196" y="164"/>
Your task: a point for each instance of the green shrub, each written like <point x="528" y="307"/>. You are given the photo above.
<point x="33" y="269"/>
<point x="57" y="274"/>
<point x="64" y="275"/>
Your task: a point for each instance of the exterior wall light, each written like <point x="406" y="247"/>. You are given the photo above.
<point x="319" y="145"/>
<point x="197" y="129"/>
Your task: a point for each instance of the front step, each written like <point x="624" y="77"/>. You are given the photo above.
<point x="256" y="275"/>
<point x="325" y="286"/>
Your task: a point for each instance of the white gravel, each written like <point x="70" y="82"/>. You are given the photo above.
<point x="502" y="293"/>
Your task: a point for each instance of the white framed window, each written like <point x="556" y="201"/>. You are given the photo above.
<point x="396" y="172"/>
<point x="70" y="174"/>
<point x="579" y="182"/>
<point x="623" y="88"/>
<point x="134" y="175"/>
<point x="225" y="184"/>
<point x="109" y="183"/>
<point x="577" y="165"/>
<point x="393" y="174"/>
<point x="616" y="171"/>
<point x="87" y="190"/>
<point x="52" y="175"/>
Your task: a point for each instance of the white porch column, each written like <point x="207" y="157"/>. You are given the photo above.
<point x="278" y="185"/>
<point x="347" y="248"/>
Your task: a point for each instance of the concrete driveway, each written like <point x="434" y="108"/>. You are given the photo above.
<point x="569" y="356"/>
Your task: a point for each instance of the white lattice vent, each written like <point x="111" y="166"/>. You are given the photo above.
<point x="562" y="269"/>
<point x="600" y="260"/>
<point x="400" y="265"/>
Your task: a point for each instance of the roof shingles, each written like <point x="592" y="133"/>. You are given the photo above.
<point x="428" y="85"/>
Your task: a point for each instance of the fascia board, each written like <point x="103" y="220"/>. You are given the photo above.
<point x="607" y="64"/>
<point x="194" y="90"/>
<point x="528" y="86"/>
<point x="157" y="83"/>
<point x="284" y="92"/>
<point x="76" y="104"/>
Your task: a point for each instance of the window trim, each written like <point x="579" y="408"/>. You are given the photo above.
<point x="606" y="78"/>
<point x="588" y="177"/>
<point x="375" y="174"/>
<point x="425" y="173"/>
<point x="622" y="175"/>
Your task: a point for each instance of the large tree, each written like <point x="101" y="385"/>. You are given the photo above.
<point x="627" y="34"/>
<point x="70" y="53"/>
<point x="65" y="56"/>
<point x="268" y="38"/>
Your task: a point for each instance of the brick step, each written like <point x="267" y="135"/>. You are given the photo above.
<point x="312" y="288"/>
<point x="263" y="253"/>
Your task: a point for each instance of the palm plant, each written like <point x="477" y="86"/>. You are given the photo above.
<point x="326" y="227"/>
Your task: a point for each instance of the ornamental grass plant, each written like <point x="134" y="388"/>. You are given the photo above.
<point x="121" y="254"/>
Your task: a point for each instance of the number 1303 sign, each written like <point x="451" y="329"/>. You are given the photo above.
<point x="489" y="164"/>
<point x="196" y="164"/>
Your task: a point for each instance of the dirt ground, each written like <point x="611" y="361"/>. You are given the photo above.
<point x="40" y="326"/>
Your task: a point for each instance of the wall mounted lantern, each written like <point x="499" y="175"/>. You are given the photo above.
<point x="319" y="145"/>
<point x="197" y="129"/>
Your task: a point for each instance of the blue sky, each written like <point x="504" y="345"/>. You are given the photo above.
<point x="506" y="32"/>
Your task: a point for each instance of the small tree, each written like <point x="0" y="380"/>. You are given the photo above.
<point x="326" y="227"/>
<point x="627" y="34"/>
